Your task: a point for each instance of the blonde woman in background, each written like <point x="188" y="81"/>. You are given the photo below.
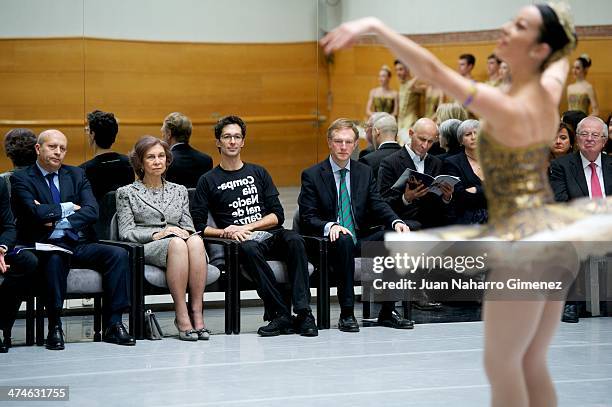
<point x="447" y="111"/>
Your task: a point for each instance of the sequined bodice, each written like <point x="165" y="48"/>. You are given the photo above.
<point x="579" y="101"/>
<point x="383" y="104"/>
<point x="516" y="178"/>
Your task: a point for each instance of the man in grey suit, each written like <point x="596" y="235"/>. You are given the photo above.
<point x="586" y="173"/>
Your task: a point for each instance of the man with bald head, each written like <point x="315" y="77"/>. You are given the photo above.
<point x="416" y="205"/>
<point x="54" y="203"/>
<point x="384" y="139"/>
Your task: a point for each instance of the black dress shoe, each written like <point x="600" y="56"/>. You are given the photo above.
<point x="55" y="338"/>
<point x="570" y="313"/>
<point x="280" y="325"/>
<point x="7" y="341"/>
<point x="116" y="333"/>
<point x="3" y="347"/>
<point x="305" y="324"/>
<point x="427" y="305"/>
<point x="394" y="320"/>
<point x="348" y="324"/>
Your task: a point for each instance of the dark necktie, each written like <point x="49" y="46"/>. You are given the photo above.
<point x="55" y="194"/>
<point x="344" y="206"/>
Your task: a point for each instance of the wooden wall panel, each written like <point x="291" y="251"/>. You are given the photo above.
<point x="144" y="81"/>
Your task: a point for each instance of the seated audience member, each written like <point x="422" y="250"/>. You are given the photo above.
<point x="608" y="148"/>
<point x="243" y="201"/>
<point x="585" y="173"/>
<point x="107" y="170"/>
<point x="17" y="269"/>
<point x="155" y="212"/>
<point x="369" y="124"/>
<point x="563" y="143"/>
<point x="448" y="111"/>
<point x="339" y="200"/>
<point x="448" y="138"/>
<point x="573" y="117"/>
<point x="54" y="204"/>
<point x="188" y="164"/>
<point x="469" y="202"/>
<point x="418" y="208"/>
<point x="19" y="147"/>
<point x="384" y="135"/>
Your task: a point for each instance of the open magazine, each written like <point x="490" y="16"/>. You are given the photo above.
<point x="433" y="183"/>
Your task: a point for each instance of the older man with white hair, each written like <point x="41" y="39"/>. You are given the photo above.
<point x="585" y="173"/>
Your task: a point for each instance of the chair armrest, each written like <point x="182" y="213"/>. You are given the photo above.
<point x="126" y="245"/>
<point x="220" y="241"/>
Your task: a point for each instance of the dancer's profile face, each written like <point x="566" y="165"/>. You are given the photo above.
<point x="578" y="70"/>
<point x="519" y="41"/>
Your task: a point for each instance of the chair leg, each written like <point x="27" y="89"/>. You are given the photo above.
<point x="236" y="290"/>
<point x="229" y="309"/>
<point x="97" y="319"/>
<point x="366" y="309"/>
<point x="30" y="320"/>
<point x="40" y="323"/>
<point x="407" y="308"/>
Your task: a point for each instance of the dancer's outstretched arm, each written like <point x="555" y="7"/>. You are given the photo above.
<point x="553" y="79"/>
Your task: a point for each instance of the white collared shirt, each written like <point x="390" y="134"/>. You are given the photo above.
<point x="587" y="173"/>
<point x="419" y="162"/>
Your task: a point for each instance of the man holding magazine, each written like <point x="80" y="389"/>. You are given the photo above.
<point x="54" y="204"/>
<point x="419" y="205"/>
<point x="416" y="203"/>
<point x="243" y="201"/>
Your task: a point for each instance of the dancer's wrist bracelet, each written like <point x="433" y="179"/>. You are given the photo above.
<point x="472" y="91"/>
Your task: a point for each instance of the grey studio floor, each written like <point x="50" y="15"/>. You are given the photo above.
<point x="439" y="363"/>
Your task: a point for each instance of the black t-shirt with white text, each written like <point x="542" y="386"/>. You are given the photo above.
<point x="238" y="197"/>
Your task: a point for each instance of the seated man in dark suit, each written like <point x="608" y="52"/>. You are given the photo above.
<point x="339" y="199"/>
<point x="384" y="135"/>
<point x="585" y="173"/>
<point x="415" y="206"/>
<point x="54" y="204"/>
<point x="107" y="170"/>
<point x="17" y="269"/>
<point x="188" y="164"/>
<point x="243" y="201"/>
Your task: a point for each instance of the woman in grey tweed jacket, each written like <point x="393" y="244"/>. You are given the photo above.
<point x="155" y="212"/>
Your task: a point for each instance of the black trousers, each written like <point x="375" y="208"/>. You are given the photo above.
<point x="285" y="245"/>
<point x="111" y="261"/>
<point x="342" y="255"/>
<point x="18" y="282"/>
